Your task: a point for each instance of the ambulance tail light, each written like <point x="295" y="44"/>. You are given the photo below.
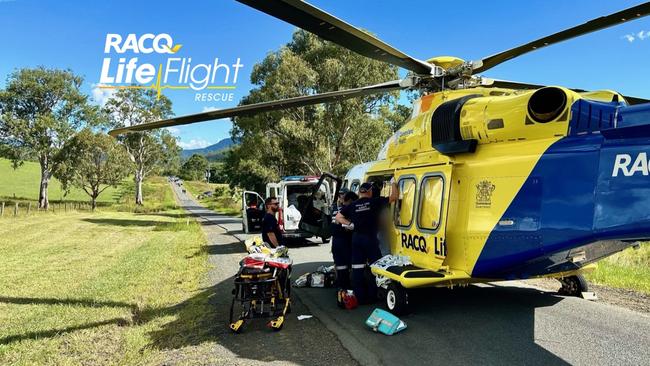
<point x="281" y="219"/>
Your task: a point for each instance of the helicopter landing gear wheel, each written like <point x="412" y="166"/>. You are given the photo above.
<point x="396" y="298"/>
<point x="573" y="285"/>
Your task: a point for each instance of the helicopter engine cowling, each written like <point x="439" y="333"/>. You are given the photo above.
<point x="460" y="125"/>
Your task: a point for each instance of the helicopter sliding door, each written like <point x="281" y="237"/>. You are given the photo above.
<point x="420" y="215"/>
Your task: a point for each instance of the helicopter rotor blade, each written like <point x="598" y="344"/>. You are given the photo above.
<point x="593" y="25"/>
<point x="268" y="106"/>
<point x="507" y="84"/>
<point x="326" y="26"/>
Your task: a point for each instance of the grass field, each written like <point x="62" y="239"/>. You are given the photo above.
<point x="23" y="184"/>
<point x="102" y="288"/>
<point x="628" y="269"/>
<point x="224" y="204"/>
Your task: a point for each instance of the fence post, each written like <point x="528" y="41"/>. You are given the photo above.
<point x="29" y="208"/>
<point x="65" y="207"/>
<point x="2" y="209"/>
<point x="16" y="210"/>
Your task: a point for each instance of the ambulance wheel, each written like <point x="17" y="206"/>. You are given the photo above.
<point x="397" y="300"/>
<point x="573" y="285"/>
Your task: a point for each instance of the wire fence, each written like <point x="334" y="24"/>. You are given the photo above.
<point x="21" y="209"/>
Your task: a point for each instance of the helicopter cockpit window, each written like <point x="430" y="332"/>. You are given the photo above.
<point x="405" y="202"/>
<point x="430" y="202"/>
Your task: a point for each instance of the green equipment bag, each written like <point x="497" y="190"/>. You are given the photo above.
<point x="385" y="322"/>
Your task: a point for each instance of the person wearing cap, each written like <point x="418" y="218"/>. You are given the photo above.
<point x="271" y="232"/>
<point x="362" y="218"/>
<point x="341" y="244"/>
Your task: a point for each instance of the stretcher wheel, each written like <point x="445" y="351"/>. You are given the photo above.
<point x="397" y="301"/>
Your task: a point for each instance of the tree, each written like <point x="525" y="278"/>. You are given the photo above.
<point x="147" y="150"/>
<point x="194" y="168"/>
<point x="312" y="139"/>
<point x="92" y="162"/>
<point x="40" y="109"/>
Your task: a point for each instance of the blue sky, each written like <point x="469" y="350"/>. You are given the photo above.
<point x="72" y="35"/>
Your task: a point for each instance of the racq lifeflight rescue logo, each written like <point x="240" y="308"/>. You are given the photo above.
<point x="134" y="61"/>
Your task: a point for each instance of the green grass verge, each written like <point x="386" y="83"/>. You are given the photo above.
<point x="224" y="204"/>
<point x="156" y="192"/>
<point x="629" y="269"/>
<point x="102" y="288"/>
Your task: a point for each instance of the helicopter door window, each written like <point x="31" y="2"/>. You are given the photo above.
<point x="430" y="208"/>
<point x="405" y="202"/>
<point x="354" y="187"/>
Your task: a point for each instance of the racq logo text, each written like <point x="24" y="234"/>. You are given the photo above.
<point x="624" y="163"/>
<point x="124" y="66"/>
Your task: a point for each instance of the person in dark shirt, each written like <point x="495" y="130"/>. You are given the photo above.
<point x="362" y="217"/>
<point x="342" y="244"/>
<point x="271" y="232"/>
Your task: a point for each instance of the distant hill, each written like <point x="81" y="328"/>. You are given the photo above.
<point x="212" y="152"/>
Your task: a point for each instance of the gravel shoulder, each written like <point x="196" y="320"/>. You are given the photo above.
<point x="614" y="296"/>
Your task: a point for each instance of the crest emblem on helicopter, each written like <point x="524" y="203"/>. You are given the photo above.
<point x="484" y="194"/>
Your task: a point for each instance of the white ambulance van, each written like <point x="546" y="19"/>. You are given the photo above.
<point x="296" y="194"/>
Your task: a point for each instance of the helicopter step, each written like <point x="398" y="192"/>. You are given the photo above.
<point x="394" y="282"/>
<point x="411" y="276"/>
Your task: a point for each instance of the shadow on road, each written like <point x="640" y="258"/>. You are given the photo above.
<point x="465" y="325"/>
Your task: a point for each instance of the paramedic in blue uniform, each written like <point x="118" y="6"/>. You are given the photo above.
<point x="271" y="232"/>
<point x="362" y="217"/>
<point x="342" y="242"/>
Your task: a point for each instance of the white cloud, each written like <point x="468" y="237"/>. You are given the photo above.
<point x="102" y="95"/>
<point x="174" y="131"/>
<point x="642" y="35"/>
<point x="193" y="144"/>
<point x="209" y="109"/>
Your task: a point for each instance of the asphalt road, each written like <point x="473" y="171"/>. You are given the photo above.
<point x="498" y="323"/>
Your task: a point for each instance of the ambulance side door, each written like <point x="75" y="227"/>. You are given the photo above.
<point x="252" y="211"/>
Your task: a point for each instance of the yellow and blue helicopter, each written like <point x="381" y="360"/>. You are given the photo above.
<point x="498" y="179"/>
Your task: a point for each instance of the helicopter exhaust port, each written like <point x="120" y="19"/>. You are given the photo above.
<point x="547" y="104"/>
